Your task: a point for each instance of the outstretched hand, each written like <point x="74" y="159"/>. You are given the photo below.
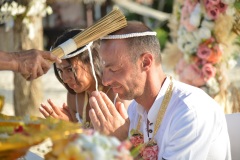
<point x="107" y="118"/>
<point x="54" y="111"/>
<point x="34" y="63"/>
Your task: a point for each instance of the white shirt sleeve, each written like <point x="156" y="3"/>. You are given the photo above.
<point x="192" y="133"/>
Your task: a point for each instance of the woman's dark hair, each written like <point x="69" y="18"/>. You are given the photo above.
<point x="83" y="57"/>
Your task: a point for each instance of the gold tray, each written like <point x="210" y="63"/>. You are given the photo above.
<point x="18" y="134"/>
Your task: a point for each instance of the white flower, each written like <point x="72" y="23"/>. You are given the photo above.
<point x="9" y="10"/>
<point x="87" y="141"/>
<point x="114" y="141"/>
<point x="231" y="63"/>
<point x="230" y="11"/>
<point x="14" y="8"/>
<point x="195" y="16"/>
<point x="207" y="23"/>
<point x="213" y="86"/>
<point x="49" y="10"/>
<point x="228" y="1"/>
<point x="31" y="31"/>
<point x="181" y="31"/>
<point x="99" y="153"/>
<point x="37" y="8"/>
<point x="204" y="33"/>
<point x="99" y="146"/>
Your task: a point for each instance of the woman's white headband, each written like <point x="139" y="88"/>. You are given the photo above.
<point x="130" y="35"/>
<point x="70" y="46"/>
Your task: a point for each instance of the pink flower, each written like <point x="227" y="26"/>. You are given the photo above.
<point x="208" y="71"/>
<point x="203" y="52"/>
<point x="190" y="4"/>
<point x="215" y="55"/>
<point x="214" y="50"/>
<point x="150" y="152"/>
<point x="136" y="140"/>
<point x="180" y="66"/>
<point x="186" y="11"/>
<point x="222" y="7"/>
<point x="189" y="27"/>
<point x="214" y="8"/>
<point x="124" y="145"/>
<point x="191" y="74"/>
<point x="213" y="12"/>
<point x="214" y="2"/>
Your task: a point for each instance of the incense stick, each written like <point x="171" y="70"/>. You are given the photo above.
<point x="113" y="21"/>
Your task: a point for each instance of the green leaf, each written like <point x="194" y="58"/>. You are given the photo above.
<point x="237" y="5"/>
<point x="162" y="36"/>
<point x="135" y="152"/>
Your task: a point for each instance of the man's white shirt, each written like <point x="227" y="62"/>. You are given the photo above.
<point x="194" y="125"/>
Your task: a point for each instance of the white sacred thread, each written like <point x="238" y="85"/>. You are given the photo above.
<point x="68" y="46"/>
<point x="91" y="62"/>
<point x="87" y="47"/>
<point x="130" y="35"/>
<point x="115" y="99"/>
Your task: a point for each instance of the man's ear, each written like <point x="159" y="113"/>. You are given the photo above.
<point x="147" y="60"/>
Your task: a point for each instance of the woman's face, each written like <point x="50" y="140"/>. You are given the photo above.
<point x="76" y="75"/>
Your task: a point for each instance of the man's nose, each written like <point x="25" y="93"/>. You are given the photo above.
<point x="106" y="79"/>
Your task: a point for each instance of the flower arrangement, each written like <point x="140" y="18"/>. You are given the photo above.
<point x="204" y="37"/>
<point x="68" y="140"/>
<point x="90" y="145"/>
<point x="145" y="151"/>
<point x="24" y="10"/>
<point x="18" y="134"/>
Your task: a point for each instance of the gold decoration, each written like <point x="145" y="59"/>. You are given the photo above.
<point x="18" y="134"/>
<point x="160" y="115"/>
<point x="1" y="102"/>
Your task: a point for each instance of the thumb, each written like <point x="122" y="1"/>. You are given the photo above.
<point x="122" y="110"/>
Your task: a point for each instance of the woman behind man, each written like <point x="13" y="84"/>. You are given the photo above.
<point x="80" y="78"/>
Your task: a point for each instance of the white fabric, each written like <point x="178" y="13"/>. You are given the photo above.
<point x="32" y="156"/>
<point x="193" y="128"/>
<point x="78" y="51"/>
<point x="68" y="46"/>
<point x="77" y="114"/>
<point x="233" y="123"/>
<point x="130" y="35"/>
<point x="37" y="152"/>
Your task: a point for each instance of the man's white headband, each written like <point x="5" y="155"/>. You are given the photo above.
<point x="130" y="35"/>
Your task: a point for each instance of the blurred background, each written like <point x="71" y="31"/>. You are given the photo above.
<point x="37" y="23"/>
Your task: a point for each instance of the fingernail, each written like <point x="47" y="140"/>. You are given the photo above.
<point x="91" y="101"/>
<point x="59" y="60"/>
<point x="95" y="93"/>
